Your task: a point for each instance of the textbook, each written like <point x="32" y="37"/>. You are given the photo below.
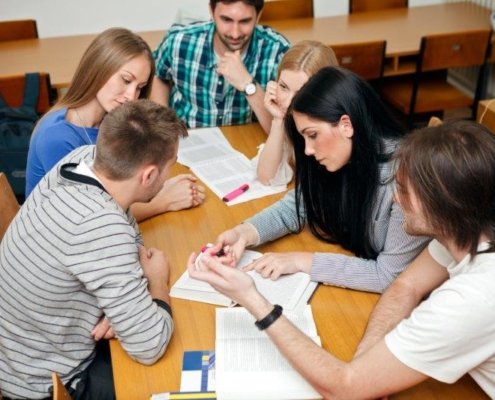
<point x="218" y="165"/>
<point x="290" y="291"/>
<point x="249" y="365"/>
<point x="197" y="379"/>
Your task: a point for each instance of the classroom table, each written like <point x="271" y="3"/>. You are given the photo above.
<point x="402" y="28"/>
<point x="340" y="314"/>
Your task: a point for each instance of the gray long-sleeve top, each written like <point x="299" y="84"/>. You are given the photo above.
<point x="396" y="249"/>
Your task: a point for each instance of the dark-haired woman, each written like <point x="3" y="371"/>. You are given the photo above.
<point x="343" y="139"/>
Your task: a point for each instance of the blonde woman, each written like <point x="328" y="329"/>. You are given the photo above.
<point x="116" y="68"/>
<point x="300" y="62"/>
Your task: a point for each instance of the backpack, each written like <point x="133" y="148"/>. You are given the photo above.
<point x="16" y="127"/>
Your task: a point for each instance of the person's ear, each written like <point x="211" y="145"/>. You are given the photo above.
<point x="345" y="126"/>
<point x="149" y="174"/>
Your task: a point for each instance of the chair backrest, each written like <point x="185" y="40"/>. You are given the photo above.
<point x="16" y="30"/>
<point x="59" y="390"/>
<point x="372" y="5"/>
<point x="365" y="59"/>
<point x="12" y="91"/>
<point x="8" y="204"/>
<point x="452" y="50"/>
<point x="286" y="9"/>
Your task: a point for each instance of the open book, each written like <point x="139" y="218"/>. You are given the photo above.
<point x="249" y="365"/>
<point x="290" y="291"/>
<point x="222" y="168"/>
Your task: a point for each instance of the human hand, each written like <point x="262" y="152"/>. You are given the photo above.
<point x="181" y="192"/>
<point x="273" y="265"/>
<point x="156" y="269"/>
<point x="234" y="241"/>
<point x="103" y="330"/>
<point x="270" y="101"/>
<point x="232" y="68"/>
<point x="235" y="284"/>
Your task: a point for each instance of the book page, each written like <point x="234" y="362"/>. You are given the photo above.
<point x="290" y="291"/>
<point x="185" y="281"/>
<point x="210" y="141"/>
<point x="250" y="366"/>
<point x="286" y="290"/>
<point x="219" y="166"/>
<point x="238" y="323"/>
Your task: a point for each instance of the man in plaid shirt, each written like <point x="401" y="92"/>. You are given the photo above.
<point x="214" y="73"/>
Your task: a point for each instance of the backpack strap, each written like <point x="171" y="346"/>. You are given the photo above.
<point x="31" y="90"/>
<point x="3" y="103"/>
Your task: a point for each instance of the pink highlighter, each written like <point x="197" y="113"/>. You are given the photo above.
<point x="235" y="193"/>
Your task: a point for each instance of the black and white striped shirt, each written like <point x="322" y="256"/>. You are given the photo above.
<point x="70" y="256"/>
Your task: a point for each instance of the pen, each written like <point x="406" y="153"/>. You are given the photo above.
<point x="235" y="193"/>
<point x="220" y="253"/>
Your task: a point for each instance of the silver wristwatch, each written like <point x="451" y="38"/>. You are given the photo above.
<point x="250" y="88"/>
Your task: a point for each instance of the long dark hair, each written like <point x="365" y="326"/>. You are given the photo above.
<point x="339" y="204"/>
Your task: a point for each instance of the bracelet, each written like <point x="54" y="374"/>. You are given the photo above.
<point x="270" y="318"/>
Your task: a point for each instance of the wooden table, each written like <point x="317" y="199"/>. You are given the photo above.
<point x="401" y="27"/>
<point x="340" y="314"/>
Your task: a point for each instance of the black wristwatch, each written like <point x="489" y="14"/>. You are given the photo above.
<point x="270" y="318"/>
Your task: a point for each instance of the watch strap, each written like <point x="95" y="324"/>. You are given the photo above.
<point x="270" y="318"/>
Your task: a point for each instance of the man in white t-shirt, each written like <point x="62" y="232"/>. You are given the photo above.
<point x="446" y="186"/>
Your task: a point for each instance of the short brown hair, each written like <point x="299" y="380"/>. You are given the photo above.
<point x="257" y="4"/>
<point x="308" y="56"/>
<point x="137" y="133"/>
<point x="451" y="169"/>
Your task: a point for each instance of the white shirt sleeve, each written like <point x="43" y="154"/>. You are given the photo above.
<point x="440" y="253"/>
<point x="449" y="334"/>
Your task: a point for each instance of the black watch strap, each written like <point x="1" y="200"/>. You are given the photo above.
<point x="270" y="318"/>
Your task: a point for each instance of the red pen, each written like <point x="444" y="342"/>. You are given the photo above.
<point x="235" y="193"/>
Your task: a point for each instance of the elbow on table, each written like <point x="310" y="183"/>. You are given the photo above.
<point x="150" y="356"/>
<point x="152" y="349"/>
<point x="264" y="176"/>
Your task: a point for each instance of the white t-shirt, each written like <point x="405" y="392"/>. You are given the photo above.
<point x="453" y="331"/>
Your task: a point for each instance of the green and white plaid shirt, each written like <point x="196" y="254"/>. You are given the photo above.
<point x="200" y="96"/>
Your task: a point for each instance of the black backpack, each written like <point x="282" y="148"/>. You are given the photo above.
<point x="16" y="127"/>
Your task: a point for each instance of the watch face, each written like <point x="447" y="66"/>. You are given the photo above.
<point x="250" y="89"/>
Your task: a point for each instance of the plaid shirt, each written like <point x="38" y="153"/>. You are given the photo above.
<point x="200" y="96"/>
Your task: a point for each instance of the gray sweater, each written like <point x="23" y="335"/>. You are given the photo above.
<point x="395" y="247"/>
<point x="69" y="257"/>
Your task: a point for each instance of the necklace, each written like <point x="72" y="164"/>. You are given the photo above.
<point x="83" y="126"/>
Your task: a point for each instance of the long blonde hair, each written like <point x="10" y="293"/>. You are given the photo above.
<point x="308" y="56"/>
<point x="108" y="52"/>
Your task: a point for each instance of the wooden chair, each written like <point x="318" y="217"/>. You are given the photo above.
<point x="286" y="9"/>
<point x="8" y="204"/>
<point x="365" y="59"/>
<point x="17" y="30"/>
<point x="12" y="90"/>
<point x="372" y="5"/>
<point x="427" y="90"/>
<point x="59" y="390"/>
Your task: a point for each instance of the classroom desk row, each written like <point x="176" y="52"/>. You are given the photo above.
<point x="341" y="315"/>
<point x="402" y="28"/>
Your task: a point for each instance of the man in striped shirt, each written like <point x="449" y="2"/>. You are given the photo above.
<point x="72" y="265"/>
<point x="214" y="73"/>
